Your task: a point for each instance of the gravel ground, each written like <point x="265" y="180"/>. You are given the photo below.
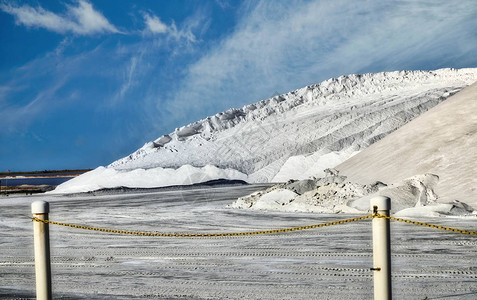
<point x="325" y="263"/>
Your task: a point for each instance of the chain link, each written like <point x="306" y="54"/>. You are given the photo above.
<point x="193" y="235"/>
<point x="426" y="224"/>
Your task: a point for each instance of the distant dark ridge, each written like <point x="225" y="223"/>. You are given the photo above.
<point x="25" y="189"/>
<point x="81" y="171"/>
<point x="206" y="184"/>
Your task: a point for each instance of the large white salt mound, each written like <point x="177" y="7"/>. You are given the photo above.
<point x="290" y="136"/>
<point x="334" y="118"/>
<point x="102" y="177"/>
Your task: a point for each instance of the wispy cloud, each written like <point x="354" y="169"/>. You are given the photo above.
<point x="142" y="57"/>
<point x="280" y="46"/>
<point x="13" y="118"/>
<point x="81" y="19"/>
<point x="44" y="84"/>
<point x="129" y="69"/>
<point x="222" y="3"/>
<point x="154" y="24"/>
<point x="129" y="75"/>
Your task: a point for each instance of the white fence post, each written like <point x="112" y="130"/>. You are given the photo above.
<point x="381" y="249"/>
<point x="41" y="234"/>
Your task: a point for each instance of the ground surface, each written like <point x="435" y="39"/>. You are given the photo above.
<point x="326" y="263"/>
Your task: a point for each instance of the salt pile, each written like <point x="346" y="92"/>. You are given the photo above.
<point x="303" y="132"/>
<point x="335" y="194"/>
<point x="291" y="136"/>
<point x="429" y="164"/>
<point x="105" y="178"/>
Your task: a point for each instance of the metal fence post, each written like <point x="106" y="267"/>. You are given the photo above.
<point x="41" y="234"/>
<point x="381" y="249"/>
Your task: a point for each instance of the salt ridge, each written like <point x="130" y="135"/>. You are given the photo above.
<point x="337" y="117"/>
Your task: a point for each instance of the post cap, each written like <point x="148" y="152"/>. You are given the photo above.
<point x="382" y="202"/>
<point x="40" y="207"/>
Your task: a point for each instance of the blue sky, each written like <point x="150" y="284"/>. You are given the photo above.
<point x="83" y="83"/>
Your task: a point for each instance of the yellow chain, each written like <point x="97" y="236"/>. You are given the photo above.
<point x="344" y="221"/>
<point x="427" y="225"/>
<point x="163" y="234"/>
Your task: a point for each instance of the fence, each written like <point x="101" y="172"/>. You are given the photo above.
<point x="381" y="242"/>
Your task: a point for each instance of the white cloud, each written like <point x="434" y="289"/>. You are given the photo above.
<point x="185" y="34"/>
<point x="88" y="20"/>
<point x="129" y="78"/>
<point x="81" y="19"/>
<point x="154" y="24"/>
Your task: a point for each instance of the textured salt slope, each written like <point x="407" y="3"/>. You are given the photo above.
<point x="298" y="134"/>
<point x="443" y="141"/>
